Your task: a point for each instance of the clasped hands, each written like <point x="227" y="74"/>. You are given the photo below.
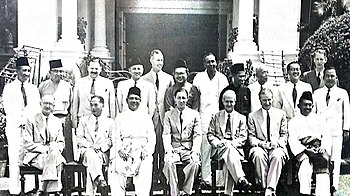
<point x="268" y="145"/>
<point x="125" y="155"/>
<point x="224" y="142"/>
<point x="311" y="152"/>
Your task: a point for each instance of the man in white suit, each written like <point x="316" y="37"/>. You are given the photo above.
<point x="210" y="83"/>
<point x="161" y="81"/>
<point x="182" y="138"/>
<point x="21" y="101"/>
<point x="94" y="140"/>
<point x="228" y="134"/>
<point x="332" y="103"/>
<point x="148" y="102"/>
<point x="290" y="92"/>
<point x="267" y="136"/>
<point x="43" y="143"/>
<point x="91" y="85"/>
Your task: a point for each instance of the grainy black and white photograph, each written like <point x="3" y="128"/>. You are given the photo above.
<point x="174" y="97"/>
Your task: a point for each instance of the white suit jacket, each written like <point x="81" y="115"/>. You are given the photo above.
<point x="284" y="98"/>
<point x="81" y="99"/>
<point x="165" y="81"/>
<point x="336" y="114"/>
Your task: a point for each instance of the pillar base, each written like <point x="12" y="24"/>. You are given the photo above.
<point x="100" y="51"/>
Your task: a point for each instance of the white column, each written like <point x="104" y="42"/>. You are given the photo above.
<point x="100" y="47"/>
<point x="69" y="39"/>
<point x="245" y="44"/>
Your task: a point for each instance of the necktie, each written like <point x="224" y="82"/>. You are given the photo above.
<point x="268" y="125"/>
<point x="96" y="127"/>
<point x="319" y="78"/>
<point x="157" y="81"/>
<point x="92" y="91"/>
<point x="24" y="94"/>
<point x="228" y="127"/>
<point x="328" y="96"/>
<point x="135" y="83"/>
<point x="47" y="139"/>
<point x="294" y="94"/>
<point x="181" y="120"/>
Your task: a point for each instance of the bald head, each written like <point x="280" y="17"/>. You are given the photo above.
<point x="262" y="74"/>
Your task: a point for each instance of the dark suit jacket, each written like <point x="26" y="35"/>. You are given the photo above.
<point x="189" y="137"/>
<point x="311" y="78"/>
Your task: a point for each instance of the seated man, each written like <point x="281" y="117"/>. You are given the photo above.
<point x="94" y="139"/>
<point x="227" y="133"/>
<point x="133" y="146"/>
<point x="267" y="136"/>
<point x="43" y="145"/>
<point x="182" y="140"/>
<point x="311" y="145"/>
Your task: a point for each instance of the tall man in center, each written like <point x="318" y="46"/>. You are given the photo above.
<point x="210" y="83"/>
<point x="161" y="81"/>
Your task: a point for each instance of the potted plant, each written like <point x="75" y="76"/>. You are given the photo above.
<point x="3" y="143"/>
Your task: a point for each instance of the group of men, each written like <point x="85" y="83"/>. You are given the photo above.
<point x="154" y="122"/>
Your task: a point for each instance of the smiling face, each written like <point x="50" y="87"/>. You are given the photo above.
<point x="133" y="102"/>
<point x="181" y="99"/>
<point x="320" y="59"/>
<point x="56" y="75"/>
<point x="305" y="106"/>
<point x="47" y="104"/>
<point x="239" y="78"/>
<point x="266" y="99"/>
<point x="94" y="69"/>
<point x="180" y="75"/>
<point x="157" y="61"/>
<point x="210" y="62"/>
<point x="229" y="100"/>
<point x="294" y="72"/>
<point x="23" y="73"/>
<point x="136" y="72"/>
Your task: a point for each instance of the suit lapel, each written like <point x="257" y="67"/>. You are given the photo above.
<point x="39" y="121"/>
<point x="91" y="127"/>
<point x="260" y="120"/>
<point x="176" y="118"/>
<point x="222" y="122"/>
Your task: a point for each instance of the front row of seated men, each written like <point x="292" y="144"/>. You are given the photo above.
<point x="131" y="145"/>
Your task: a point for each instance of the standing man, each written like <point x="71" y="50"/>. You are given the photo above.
<point x="62" y="92"/>
<point x="148" y="94"/>
<point x="133" y="146"/>
<point x="43" y="143"/>
<point x="180" y="75"/>
<point x="182" y="138"/>
<point x="290" y="92"/>
<point x="94" y="140"/>
<point x="332" y="103"/>
<point x="91" y="85"/>
<point x="262" y="76"/>
<point x="21" y="101"/>
<point x="161" y="81"/>
<point x="315" y="77"/>
<point x="210" y="83"/>
<point x="267" y="136"/>
<point x="227" y="134"/>
<point x="243" y="95"/>
<point x="311" y="145"/>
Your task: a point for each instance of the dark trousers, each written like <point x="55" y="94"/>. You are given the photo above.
<point x="158" y="156"/>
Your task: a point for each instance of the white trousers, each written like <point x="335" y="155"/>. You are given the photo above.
<point x="337" y="144"/>
<point x="142" y="181"/>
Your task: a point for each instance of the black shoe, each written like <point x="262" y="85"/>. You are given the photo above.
<point x="205" y="186"/>
<point x="244" y="183"/>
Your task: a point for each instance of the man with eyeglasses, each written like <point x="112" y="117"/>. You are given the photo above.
<point x="289" y="93"/>
<point x="210" y="83"/>
<point x="21" y="101"/>
<point x="62" y="92"/>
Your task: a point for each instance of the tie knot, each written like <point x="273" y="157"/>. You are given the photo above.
<point x="22" y="83"/>
<point x="229" y="115"/>
<point x="329" y="89"/>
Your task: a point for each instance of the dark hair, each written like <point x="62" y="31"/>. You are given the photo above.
<point x="263" y="91"/>
<point x="328" y="66"/>
<point x="180" y="90"/>
<point x="291" y="63"/>
<point x="207" y="54"/>
<point x="101" y="100"/>
<point x="155" y="51"/>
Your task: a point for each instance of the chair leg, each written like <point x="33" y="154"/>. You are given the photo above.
<point x="213" y="179"/>
<point x="22" y="179"/>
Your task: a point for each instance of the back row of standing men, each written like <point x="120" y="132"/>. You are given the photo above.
<point x="157" y="92"/>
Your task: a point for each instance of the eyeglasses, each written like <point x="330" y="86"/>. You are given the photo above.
<point x="210" y="61"/>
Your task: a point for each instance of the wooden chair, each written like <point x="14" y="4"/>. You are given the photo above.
<point x="28" y="170"/>
<point x="69" y="171"/>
